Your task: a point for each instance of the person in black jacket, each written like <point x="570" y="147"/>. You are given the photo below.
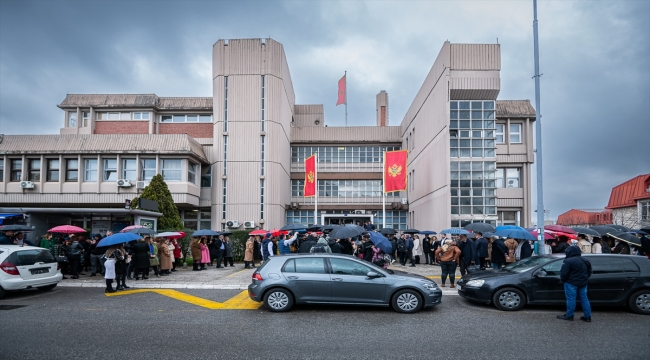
<point x="426" y="249"/>
<point x="214" y="250"/>
<point x="481" y="249"/>
<point x="499" y="251"/>
<point x="367" y="248"/>
<point x="575" y="274"/>
<point x="467" y="253"/>
<point x="560" y="246"/>
<point x="306" y="245"/>
<point x="141" y="258"/>
<point x="335" y="246"/>
<point x="526" y="250"/>
<point x="347" y="247"/>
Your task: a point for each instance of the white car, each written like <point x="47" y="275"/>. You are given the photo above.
<point x="27" y="267"/>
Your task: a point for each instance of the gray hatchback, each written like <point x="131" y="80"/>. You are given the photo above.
<point x="322" y="278"/>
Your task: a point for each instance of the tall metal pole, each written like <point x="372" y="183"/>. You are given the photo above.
<point x="345" y="75"/>
<point x="383" y="193"/>
<point x="541" y="249"/>
<point x="316" y="182"/>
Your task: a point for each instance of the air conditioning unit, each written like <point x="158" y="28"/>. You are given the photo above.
<point x="294" y="205"/>
<point x="141" y="184"/>
<point x="124" y="183"/>
<point x="27" y="184"/>
<point x="232" y="223"/>
<point x="249" y="224"/>
<point x="359" y="211"/>
<point x="395" y="205"/>
<point x="405" y="201"/>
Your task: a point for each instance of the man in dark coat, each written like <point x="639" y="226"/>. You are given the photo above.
<point x="306" y="245"/>
<point x="481" y="249"/>
<point x="426" y="248"/>
<point x="219" y="249"/>
<point x="409" y="249"/>
<point x="6" y="237"/>
<point x="393" y="244"/>
<point x="575" y="274"/>
<point x="346" y="246"/>
<point x="335" y="246"/>
<point x="499" y="251"/>
<point x="526" y="250"/>
<point x="467" y="253"/>
<point x="560" y="246"/>
<point x="621" y="247"/>
<point x="367" y="248"/>
<point x="214" y="250"/>
<point x="141" y="259"/>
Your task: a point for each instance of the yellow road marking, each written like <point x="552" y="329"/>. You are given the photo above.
<point x="240" y="301"/>
<point x="237" y="272"/>
<point x="433" y="277"/>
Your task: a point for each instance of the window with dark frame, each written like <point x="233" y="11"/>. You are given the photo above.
<point x="16" y="169"/>
<point x="52" y="170"/>
<point x="72" y="170"/>
<point x="34" y="169"/>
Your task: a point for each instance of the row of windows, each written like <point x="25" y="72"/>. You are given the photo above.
<point x="196" y="219"/>
<point x="341" y="154"/>
<point x="342" y="188"/>
<point x="118" y="115"/>
<point x="514" y="134"/>
<point x="395" y="219"/>
<point x="171" y="170"/>
<point x="185" y="118"/>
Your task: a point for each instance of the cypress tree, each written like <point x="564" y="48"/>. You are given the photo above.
<point x="157" y="190"/>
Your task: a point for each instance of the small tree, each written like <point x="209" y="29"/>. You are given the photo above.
<point x="158" y="191"/>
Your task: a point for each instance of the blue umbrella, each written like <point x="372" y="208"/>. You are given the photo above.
<point x="119" y="238"/>
<point x="428" y="232"/>
<point x="381" y="242"/>
<point x="455" y="231"/>
<point x="515" y="234"/>
<point x="206" y="233"/>
<point x="509" y="227"/>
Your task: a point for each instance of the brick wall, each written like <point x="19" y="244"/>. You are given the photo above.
<point x="196" y="130"/>
<point x="122" y="127"/>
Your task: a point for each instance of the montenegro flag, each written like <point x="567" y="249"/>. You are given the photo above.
<point x="395" y="170"/>
<point x="310" y="177"/>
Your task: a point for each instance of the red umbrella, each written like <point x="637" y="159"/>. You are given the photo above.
<point x="258" y="232"/>
<point x="67" y="229"/>
<point x="547" y="235"/>
<point x="560" y="228"/>
<point x="278" y="232"/>
<point x="131" y="227"/>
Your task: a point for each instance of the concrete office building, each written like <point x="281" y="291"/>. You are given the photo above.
<point x="235" y="160"/>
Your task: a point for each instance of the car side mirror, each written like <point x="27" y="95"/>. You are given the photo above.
<point x="372" y="274"/>
<point x="541" y="273"/>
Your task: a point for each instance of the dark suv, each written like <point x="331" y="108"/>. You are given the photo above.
<point x="338" y="279"/>
<point x="617" y="280"/>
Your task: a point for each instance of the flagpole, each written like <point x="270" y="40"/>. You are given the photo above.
<point x="345" y="75"/>
<point x="383" y="193"/>
<point x="316" y="185"/>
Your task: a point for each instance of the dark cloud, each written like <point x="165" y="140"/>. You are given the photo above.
<point x="595" y="87"/>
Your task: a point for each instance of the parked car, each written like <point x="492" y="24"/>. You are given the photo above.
<point x="617" y="280"/>
<point x="322" y="278"/>
<point x="27" y="267"/>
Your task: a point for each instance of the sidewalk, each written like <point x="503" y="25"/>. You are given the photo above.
<point x="229" y="278"/>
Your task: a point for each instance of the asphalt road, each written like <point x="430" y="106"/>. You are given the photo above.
<point x="83" y="323"/>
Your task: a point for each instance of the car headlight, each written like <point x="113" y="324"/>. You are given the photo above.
<point x="430" y="286"/>
<point x="475" y="283"/>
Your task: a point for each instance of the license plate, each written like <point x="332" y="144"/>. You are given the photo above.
<point x="40" y="271"/>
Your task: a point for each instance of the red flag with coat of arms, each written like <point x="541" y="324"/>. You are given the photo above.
<point x="310" y="177"/>
<point x="341" y="99"/>
<point x="395" y="170"/>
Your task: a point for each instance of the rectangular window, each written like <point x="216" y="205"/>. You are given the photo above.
<point x="109" y="116"/>
<point x="508" y="177"/>
<point x="90" y="170"/>
<point x="645" y="210"/>
<point x="499" y="133"/>
<point x="72" y="170"/>
<point x="205" y="118"/>
<point x="129" y="170"/>
<point x="72" y="119"/>
<point x="34" y="170"/>
<point x="148" y="169"/>
<point x="85" y="118"/>
<point x="140" y="116"/>
<point x="166" y="118"/>
<point x="110" y="170"/>
<point x="16" y="170"/>
<point x="191" y="172"/>
<point x="515" y="133"/>
<point x="206" y="178"/>
<point x="2" y="170"/>
<point x="171" y="169"/>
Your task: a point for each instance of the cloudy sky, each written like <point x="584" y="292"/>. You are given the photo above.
<point x="594" y="59"/>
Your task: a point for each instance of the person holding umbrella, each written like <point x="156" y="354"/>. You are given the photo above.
<point x="499" y="253"/>
<point x="121" y="263"/>
<point x="141" y="257"/>
<point x="109" y="275"/>
<point x="481" y="249"/>
<point x="195" y="249"/>
<point x="620" y="247"/>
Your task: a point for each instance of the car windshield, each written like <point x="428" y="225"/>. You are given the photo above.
<point x="529" y="263"/>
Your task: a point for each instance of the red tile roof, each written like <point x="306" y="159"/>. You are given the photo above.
<point x="575" y="217"/>
<point x="626" y="194"/>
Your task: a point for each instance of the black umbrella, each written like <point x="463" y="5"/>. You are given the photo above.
<point x="328" y="228"/>
<point x="142" y="231"/>
<point x="15" y="227"/>
<point x="346" y="231"/>
<point x="315" y="227"/>
<point x="411" y="231"/>
<point x="294" y="226"/>
<point x="586" y="231"/>
<point x="646" y="229"/>
<point x="602" y="230"/>
<point x="627" y="237"/>
<point x="480" y="227"/>
<point x="618" y="228"/>
<point x="388" y="231"/>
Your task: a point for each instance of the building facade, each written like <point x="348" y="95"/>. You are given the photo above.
<point x="235" y="159"/>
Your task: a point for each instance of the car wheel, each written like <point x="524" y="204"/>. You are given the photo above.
<point x="640" y="302"/>
<point x="3" y="292"/>
<point x="46" y="288"/>
<point x="509" y="299"/>
<point x="278" y="300"/>
<point x="407" y="301"/>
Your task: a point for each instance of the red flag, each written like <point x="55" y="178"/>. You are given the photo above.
<point x="310" y="177"/>
<point x="341" y="92"/>
<point x="395" y="170"/>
